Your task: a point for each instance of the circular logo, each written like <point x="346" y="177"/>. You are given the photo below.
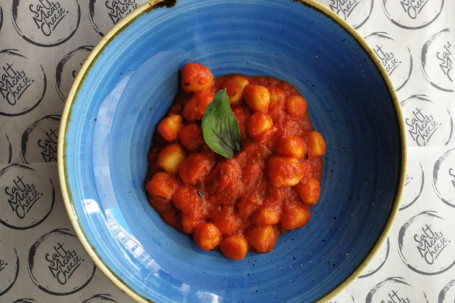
<point x="378" y="261"/>
<point x="394" y="56"/>
<point x="355" y="12"/>
<point x="1" y="18"/>
<point x="105" y="14"/>
<point x="447" y="294"/>
<point x="412" y="14"/>
<point x="67" y="69"/>
<point x="26" y="197"/>
<point x="413" y="184"/>
<point x="9" y="267"/>
<point x="437" y="58"/>
<point x="395" y="289"/>
<point x="6" y="150"/>
<point x="426" y="122"/>
<point x="58" y="264"/>
<point x="343" y="297"/>
<point x="46" y="22"/>
<point x="39" y="141"/>
<point x="444" y="177"/>
<point x="425" y="243"/>
<point x="101" y="298"/>
<point x="22" y="83"/>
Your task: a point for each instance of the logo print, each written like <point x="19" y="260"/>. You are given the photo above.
<point x="444" y="177"/>
<point x="395" y="290"/>
<point x="67" y="69"/>
<point x="39" y="141"/>
<point x="395" y="57"/>
<point x="413" y="184"/>
<point x="430" y="243"/>
<point x="426" y="122"/>
<point x="447" y="294"/>
<point x="1" y="17"/>
<point x="26" y="198"/>
<point x="412" y="14"/>
<point x="425" y="245"/>
<point x="9" y="267"/>
<point x="437" y="60"/>
<point x="63" y="263"/>
<point x="58" y="264"/>
<point x="105" y="14"/>
<point x="22" y="196"/>
<point x="47" y="15"/>
<point x="101" y="298"/>
<point x="355" y="12"/>
<point x="13" y="83"/>
<point x="7" y="153"/>
<point x="22" y="84"/>
<point x="412" y="7"/>
<point x="46" y="22"/>
<point x="378" y="261"/>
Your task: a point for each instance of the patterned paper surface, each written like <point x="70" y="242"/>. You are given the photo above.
<point x="43" y="43"/>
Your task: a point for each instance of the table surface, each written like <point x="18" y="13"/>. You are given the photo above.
<point x="39" y="59"/>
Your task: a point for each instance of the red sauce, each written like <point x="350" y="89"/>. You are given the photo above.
<point x="241" y="204"/>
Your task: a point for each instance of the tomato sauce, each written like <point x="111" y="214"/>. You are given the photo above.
<point x="244" y="203"/>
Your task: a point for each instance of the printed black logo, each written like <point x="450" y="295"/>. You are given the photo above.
<point x="447" y="294"/>
<point x="26" y="198"/>
<point x="46" y="22"/>
<point x="445" y="61"/>
<point x="48" y="145"/>
<point x="444" y="177"/>
<point x="430" y="243"/>
<point x="39" y="141"/>
<point x="9" y="267"/>
<point x="67" y="69"/>
<point x="344" y="7"/>
<point x="13" y="83"/>
<point x="2" y="264"/>
<point x="394" y="56"/>
<point x="414" y="184"/>
<point x="58" y="264"/>
<point x="388" y="59"/>
<point x="437" y="60"/>
<point x="424" y="244"/>
<point x="426" y="122"/>
<point x="105" y="14"/>
<point x="117" y="9"/>
<point x="452" y="175"/>
<point x="47" y="15"/>
<point x="355" y="12"/>
<point x="413" y="7"/>
<point x="421" y="126"/>
<point x="22" y="83"/>
<point x="22" y="196"/>
<point x="63" y="263"/>
<point x="394" y="297"/>
<point x="100" y="298"/>
<point x="395" y="290"/>
<point x="412" y="14"/>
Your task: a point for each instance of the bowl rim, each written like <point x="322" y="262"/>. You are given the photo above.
<point x="91" y="59"/>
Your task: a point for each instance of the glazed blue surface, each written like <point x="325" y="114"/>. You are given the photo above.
<point x="130" y="87"/>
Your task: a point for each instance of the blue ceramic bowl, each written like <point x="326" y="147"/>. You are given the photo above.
<point x="127" y="85"/>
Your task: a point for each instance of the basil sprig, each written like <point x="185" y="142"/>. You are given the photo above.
<point x="220" y="127"/>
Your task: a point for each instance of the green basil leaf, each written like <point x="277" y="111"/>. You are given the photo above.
<point x="220" y="127"/>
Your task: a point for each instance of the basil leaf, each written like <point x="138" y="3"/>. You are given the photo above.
<point x="220" y="127"/>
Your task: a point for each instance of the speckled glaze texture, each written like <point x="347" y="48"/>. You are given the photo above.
<point x="111" y="116"/>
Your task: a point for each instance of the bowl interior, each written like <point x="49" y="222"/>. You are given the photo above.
<point x="130" y="86"/>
